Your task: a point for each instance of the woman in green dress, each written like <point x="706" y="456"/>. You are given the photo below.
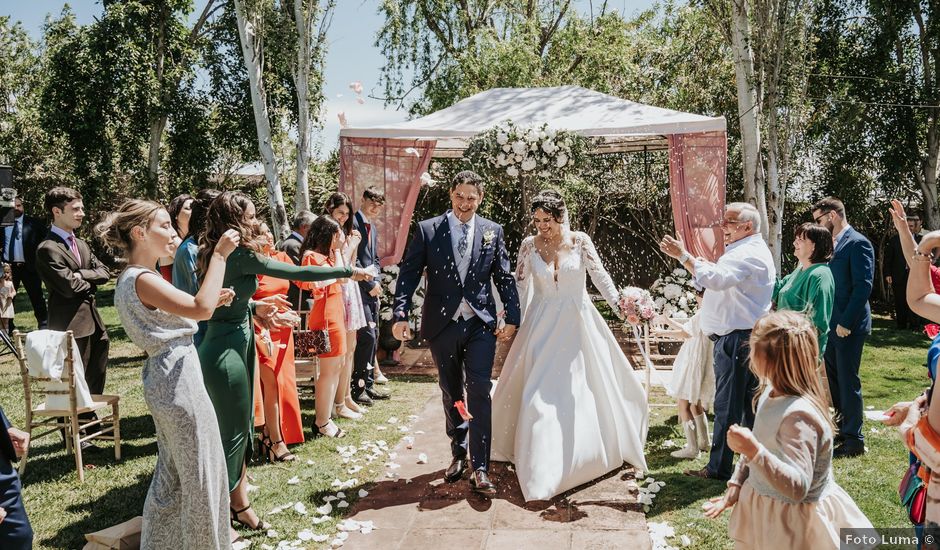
<point x="227" y="352"/>
<point x="809" y="288"/>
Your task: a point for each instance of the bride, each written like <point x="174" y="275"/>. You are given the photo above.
<point x="568" y="407"/>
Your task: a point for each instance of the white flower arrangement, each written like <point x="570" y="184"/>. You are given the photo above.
<point x="675" y="295"/>
<point x="511" y="151"/>
<point x="389" y="283"/>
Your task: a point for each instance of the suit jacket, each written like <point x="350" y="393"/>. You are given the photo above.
<point x="291" y="246"/>
<point x="6" y="444"/>
<point x="368" y="254"/>
<point x="71" y="298"/>
<point x="853" y="270"/>
<point x="431" y="248"/>
<point x="895" y="264"/>
<point x="34" y="231"/>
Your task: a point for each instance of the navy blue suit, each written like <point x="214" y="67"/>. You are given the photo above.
<point x="853" y="270"/>
<point x="463" y="349"/>
<point x="366" y="337"/>
<point x="15" y="531"/>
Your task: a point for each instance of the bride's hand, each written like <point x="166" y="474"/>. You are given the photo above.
<point x="506" y="333"/>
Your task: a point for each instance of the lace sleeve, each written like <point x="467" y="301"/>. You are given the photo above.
<point x="523" y="265"/>
<point x="599" y="275"/>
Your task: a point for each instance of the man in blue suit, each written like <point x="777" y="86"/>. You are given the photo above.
<point x="363" y="382"/>
<point x="15" y="530"/>
<point x="853" y="270"/>
<point x="463" y="255"/>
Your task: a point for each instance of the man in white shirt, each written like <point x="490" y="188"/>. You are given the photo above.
<point x="738" y="291"/>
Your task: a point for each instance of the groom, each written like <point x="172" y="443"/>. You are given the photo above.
<point x="461" y="253"/>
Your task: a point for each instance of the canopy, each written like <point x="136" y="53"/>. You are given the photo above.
<point x="624" y="125"/>
<point x="394" y="157"/>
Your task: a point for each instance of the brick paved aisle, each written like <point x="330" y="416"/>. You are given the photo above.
<point x="418" y="510"/>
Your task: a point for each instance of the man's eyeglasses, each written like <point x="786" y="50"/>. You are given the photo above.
<point x="821" y="216"/>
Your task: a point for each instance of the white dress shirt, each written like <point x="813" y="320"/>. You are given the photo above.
<point x="738" y="288"/>
<point x="463" y="262"/>
<point x="838" y="236"/>
<point x="18" y="255"/>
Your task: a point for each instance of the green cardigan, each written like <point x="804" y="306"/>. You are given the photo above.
<point x="810" y="291"/>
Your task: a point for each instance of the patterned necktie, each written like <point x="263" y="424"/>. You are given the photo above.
<point x="462" y="243"/>
<point x="14" y="234"/>
<point x="73" y="246"/>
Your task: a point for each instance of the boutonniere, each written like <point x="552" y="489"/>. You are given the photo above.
<point x="488" y="237"/>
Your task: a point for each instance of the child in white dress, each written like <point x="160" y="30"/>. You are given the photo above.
<point x="782" y="489"/>
<point x="7" y="293"/>
<point x="692" y="384"/>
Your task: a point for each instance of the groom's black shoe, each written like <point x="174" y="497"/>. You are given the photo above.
<point x="455" y="471"/>
<point x="480" y="483"/>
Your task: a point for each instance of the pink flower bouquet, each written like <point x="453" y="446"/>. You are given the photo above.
<point x="636" y="305"/>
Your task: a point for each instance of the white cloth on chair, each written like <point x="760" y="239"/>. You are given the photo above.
<point x="45" y="358"/>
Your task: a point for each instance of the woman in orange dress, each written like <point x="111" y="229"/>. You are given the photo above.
<point x="320" y="247"/>
<point x="278" y="388"/>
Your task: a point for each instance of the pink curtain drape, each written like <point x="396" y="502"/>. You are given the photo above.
<point x="394" y="166"/>
<point x="697" y="170"/>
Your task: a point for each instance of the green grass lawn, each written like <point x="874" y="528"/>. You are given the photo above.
<point x="892" y="371"/>
<point x="61" y="509"/>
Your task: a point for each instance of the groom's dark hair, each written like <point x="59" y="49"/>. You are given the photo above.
<point x="467" y="177"/>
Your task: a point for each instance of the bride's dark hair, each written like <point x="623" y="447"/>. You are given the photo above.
<point x="551" y="201"/>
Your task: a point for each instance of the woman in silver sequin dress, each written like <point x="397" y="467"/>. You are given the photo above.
<point x="187" y="504"/>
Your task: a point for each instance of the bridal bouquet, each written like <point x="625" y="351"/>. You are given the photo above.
<point x="636" y="305"/>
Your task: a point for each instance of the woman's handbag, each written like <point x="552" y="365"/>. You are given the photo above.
<point x="310" y="343"/>
<point x="913" y="493"/>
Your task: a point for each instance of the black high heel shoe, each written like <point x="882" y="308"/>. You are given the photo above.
<point x="262" y="525"/>
<point x="272" y="455"/>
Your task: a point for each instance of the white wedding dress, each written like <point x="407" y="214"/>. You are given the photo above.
<point x="568" y="407"/>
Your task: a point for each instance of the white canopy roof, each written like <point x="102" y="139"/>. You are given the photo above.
<point x="622" y="125"/>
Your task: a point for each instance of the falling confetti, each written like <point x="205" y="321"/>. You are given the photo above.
<point x="356" y="86"/>
<point x="342" y="124"/>
<point x="360" y="101"/>
<point x="462" y="409"/>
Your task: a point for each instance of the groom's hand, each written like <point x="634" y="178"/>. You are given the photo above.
<point x="401" y="331"/>
<point x="506" y="333"/>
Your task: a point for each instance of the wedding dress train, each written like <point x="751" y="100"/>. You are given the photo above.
<point x="568" y="407"/>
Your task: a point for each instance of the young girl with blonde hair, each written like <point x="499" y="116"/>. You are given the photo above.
<point x="782" y="489"/>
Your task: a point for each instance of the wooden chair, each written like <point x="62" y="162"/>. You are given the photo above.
<point x="53" y="420"/>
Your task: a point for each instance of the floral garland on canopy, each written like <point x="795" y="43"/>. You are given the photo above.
<point x="510" y="153"/>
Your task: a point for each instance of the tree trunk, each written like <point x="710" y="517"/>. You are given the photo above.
<point x="928" y="176"/>
<point x="303" y="20"/>
<point x="157" y="126"/>
<point x="252" y="54"/>
<point x="748" y="107"/>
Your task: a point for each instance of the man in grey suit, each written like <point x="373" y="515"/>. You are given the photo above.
<point x="291" y="245"/>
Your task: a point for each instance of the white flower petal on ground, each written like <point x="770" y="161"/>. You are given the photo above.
<point x="305" y="535"/>
<point x="393" y="456"/>
<point x="419" y="432"/>
<point x="293" y="481"/>
<point x="281" y="508"/>
<point x="390" y="475"/>
<point x="404" y="429"/>
<point x="342" y="504"/>
<point x="320" y="538"/>
<point x="342" y="536"/>
<point x="685" y="540"/>
<point x="363" y="493"/>
<point x="336" y="483"/>
<point x="336" y="543"/>
<point x="325" y="509"/>
<point x="393" y="465"/>
<point x="300" y="508"/>
<point x="321" y="519"/>
<point x="422" y="458"/>
<point x="329" y="498"/>
<point x="241" y="545"/>
<point x="353" y="470"/>
<point x="309" y="463"/>
<point x="272" y="534"/>
<point x="381" y="428"/>
<point x="251" y="488"/>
